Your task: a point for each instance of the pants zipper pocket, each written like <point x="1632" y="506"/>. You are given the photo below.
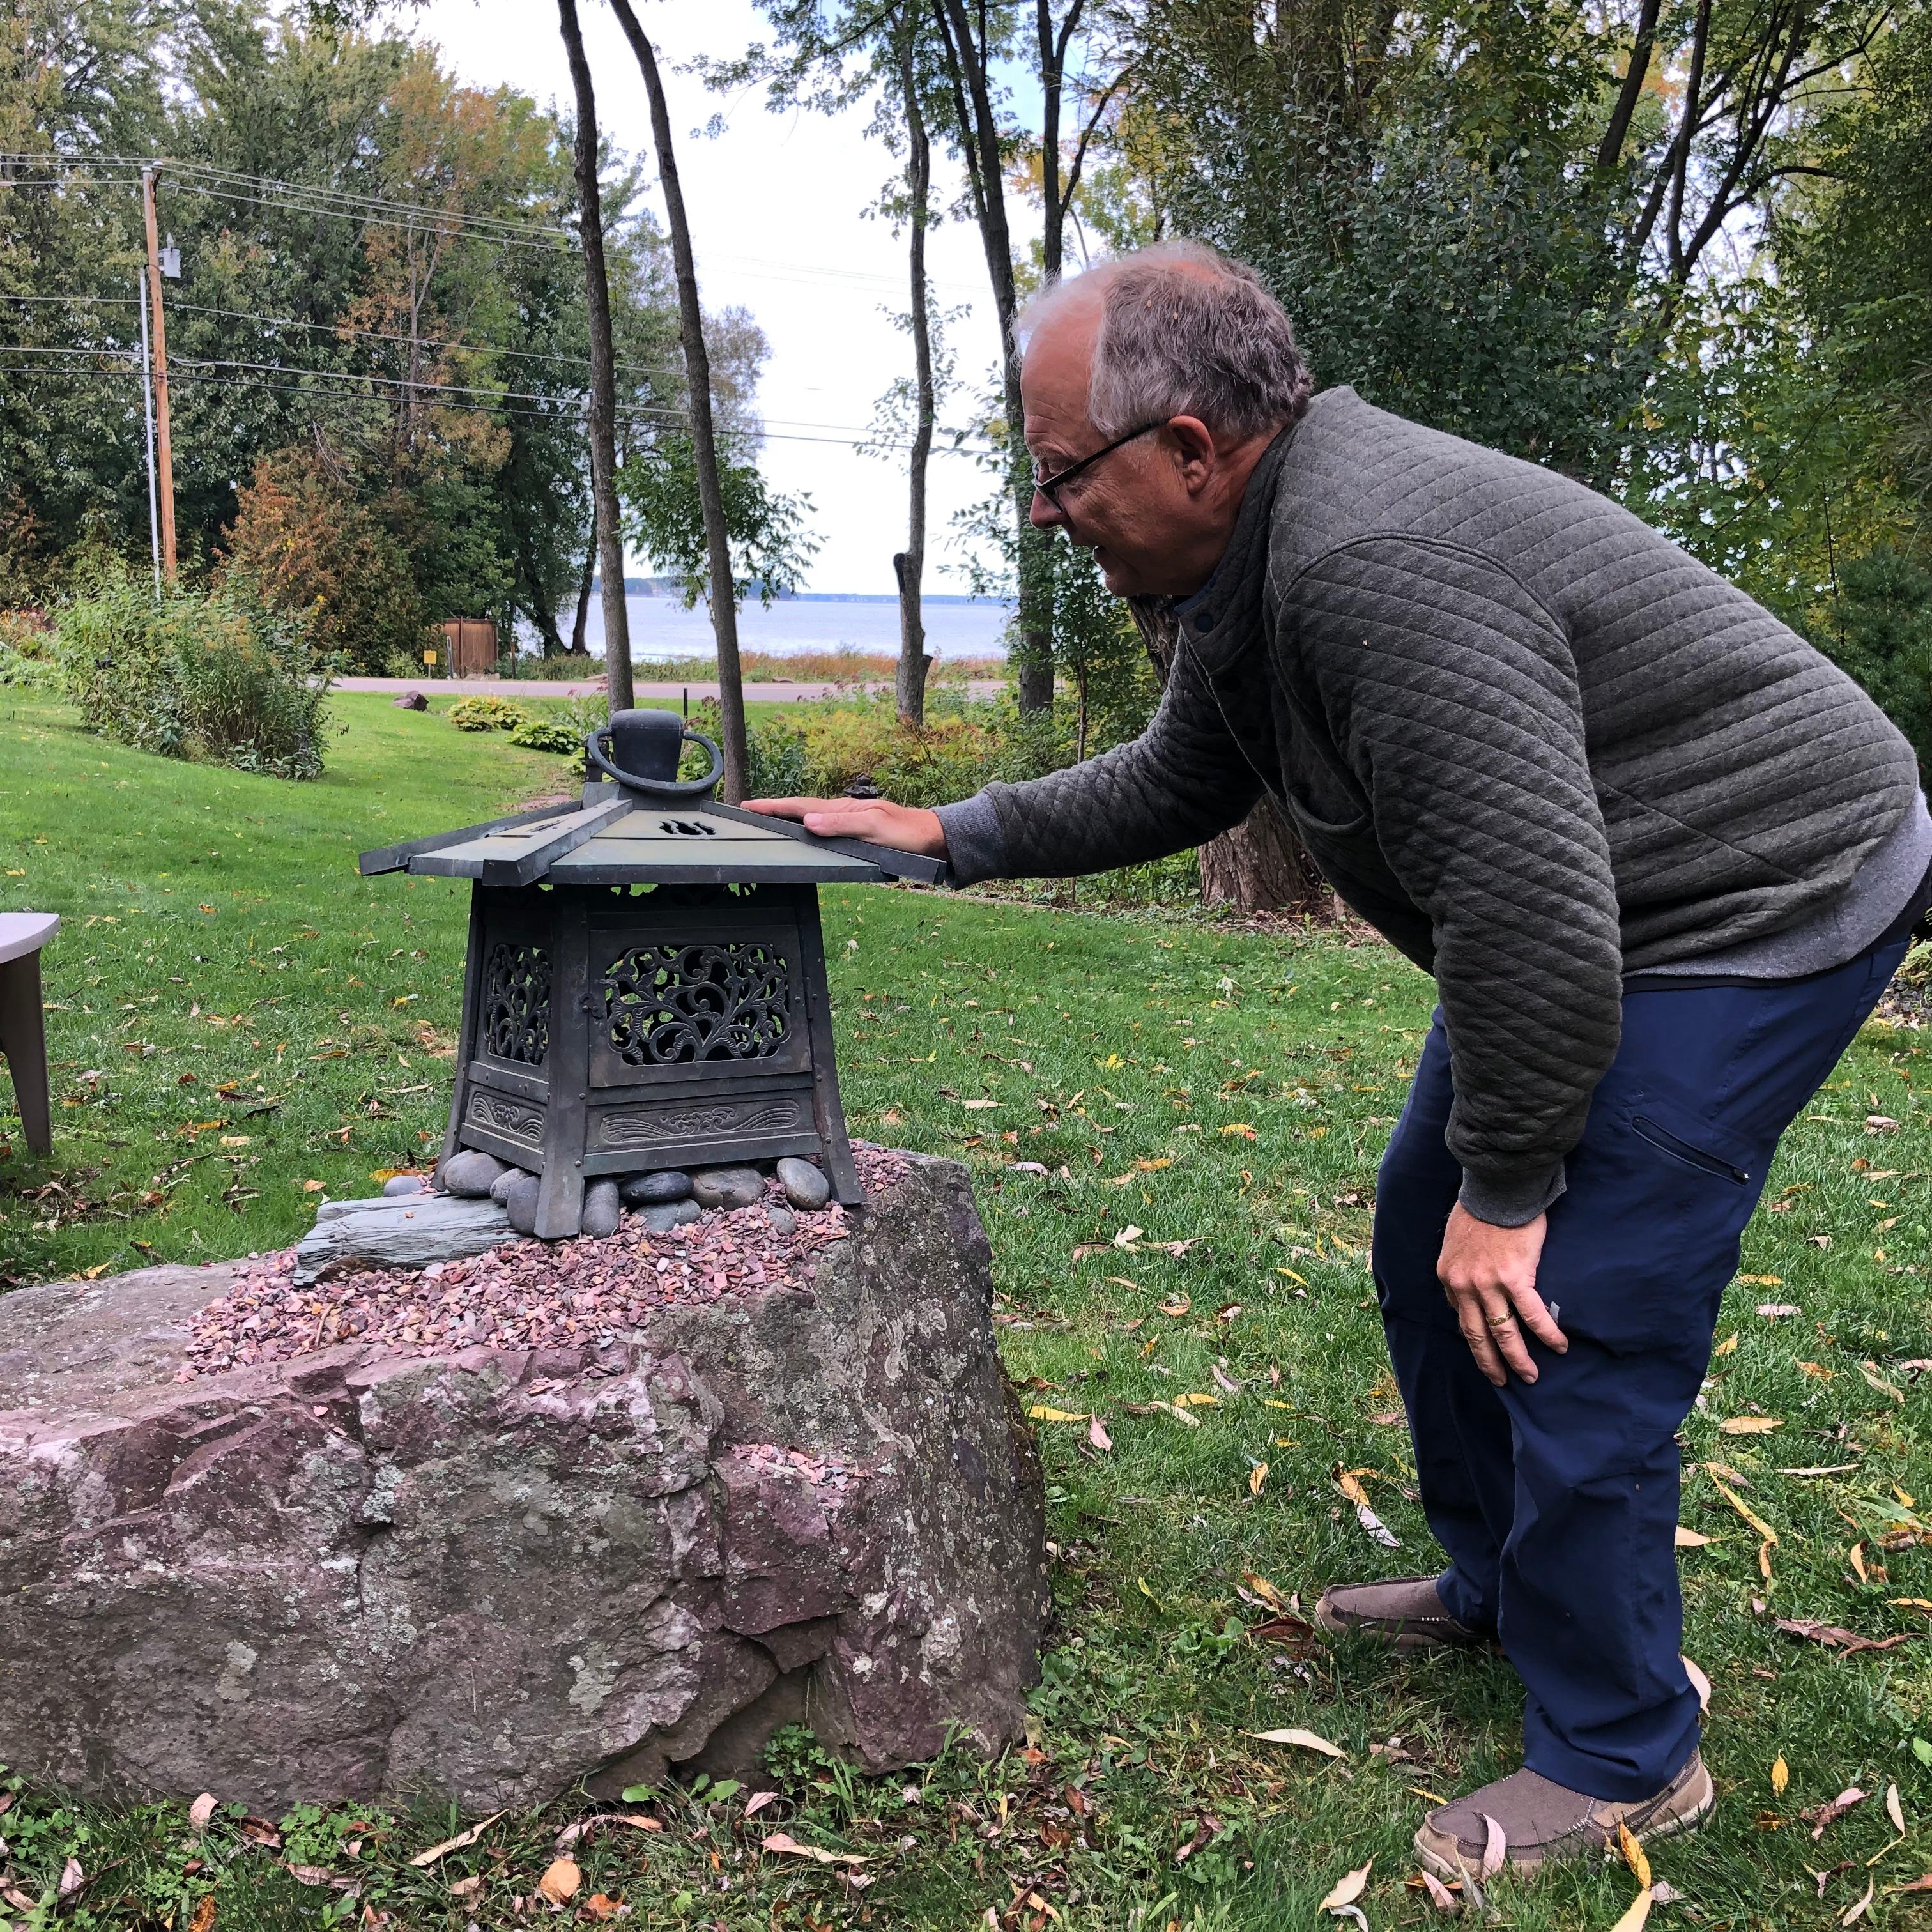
<point x="1666" y="1142"/>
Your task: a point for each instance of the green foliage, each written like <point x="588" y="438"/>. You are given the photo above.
<point x="217" y="677"/>
<point x="487" y="714"/>
<point x="793" y="1758"/>
<point x="1880" y="630"/>
<point x="770" y="545"/>
<point x="538" y="731"/>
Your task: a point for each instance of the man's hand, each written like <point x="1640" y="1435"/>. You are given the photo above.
<point x="1488" y="1274"/>
<point x="904" y="828"/>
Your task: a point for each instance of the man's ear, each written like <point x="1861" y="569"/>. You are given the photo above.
<point x="1194" y="443"/>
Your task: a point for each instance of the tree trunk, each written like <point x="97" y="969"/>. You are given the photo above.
<point x="910" y="565"/>
<point x="703" y="438"/>
<point x="1258" y="865"/>
<point x="980" y="140"/>
<point x="577" y="639"/>
<point x="603" y="411"/>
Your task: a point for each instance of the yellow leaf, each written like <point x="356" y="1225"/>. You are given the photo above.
<point x="1268" y="1402"/>
<point x="1041" y="1413"/>
<point x="1257" y="1479"/>
<point x="1728" y="1346"/>
<point x="1633" y="1855"/>
<point x="1305" y="1740"/>
<point x="1905" y="1502"/>
<point x="1744" y="1509"/>
<point x="314" y="1187"/>
<point x="456" y="1844"/>
<point x="1352" y="1488"/>
<point x="1264" y="1589"/>
<point x="1818" y="1371"/>
<point x="1869" y="1370"/>
<point x="1763" y="1280"/>
<point x="1197" y="1401"/>
<point x="1241" y="1127"/>
<point x="1179" y="1415"/>
<point x="1691" y="1539"/>
<point x="560" y="1881"/>
<point x="237" y="1140"/>
<point x="1636" y="1915"/>
<point x="1780" y="1776"/>
<point x="1153" y="1166"/>
<point x="1911" y="1603"/>
<point x="1858" y="1561"/>
<point x="1749" y="1425"/>
<point x="1348" y="1889"/>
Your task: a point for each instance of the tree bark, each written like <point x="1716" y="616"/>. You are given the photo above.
<point x="577" y="644"/>
<point x="704" y="437"/>
<point x="603" y="411"/>
<point x="1258" y="865"/>
<point x="910" y="565"/>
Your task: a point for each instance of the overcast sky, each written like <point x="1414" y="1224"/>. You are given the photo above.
<point x="777" y="205"/>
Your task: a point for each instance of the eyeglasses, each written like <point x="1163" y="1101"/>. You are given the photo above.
<point x="1050" y="486"/>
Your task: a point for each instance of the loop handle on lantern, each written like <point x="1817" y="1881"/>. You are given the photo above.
<point x="653" y="739"/>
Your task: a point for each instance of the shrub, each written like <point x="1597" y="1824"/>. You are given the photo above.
<point x="217" y="676"/>
<point x="315" y="550"/>
<point x="487" y="714"/>
<point x="26" y="649"/>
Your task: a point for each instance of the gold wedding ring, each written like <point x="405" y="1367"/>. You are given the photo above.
<point x="1497" y="1321"/>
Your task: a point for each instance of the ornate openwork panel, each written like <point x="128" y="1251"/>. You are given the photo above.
<point x="728" y="999"/>
<point x="516" y="1003"/>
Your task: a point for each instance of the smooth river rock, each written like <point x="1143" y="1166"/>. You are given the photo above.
<point x="804" y="1185"/>
<point x="727" y="1186"/>
<point x="484" y="1577"/>
<point x="669" y="1214"/>
<point x="471" y="1174"/>
<point x="650" y="1190"/>
<point x="520" y="1203"/>
<point x="602" y="1210"/>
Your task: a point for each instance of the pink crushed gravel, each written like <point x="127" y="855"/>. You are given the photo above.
<point x="580" y="1293"/>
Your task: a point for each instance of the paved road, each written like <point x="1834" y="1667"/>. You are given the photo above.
<point x="772" y="693"/>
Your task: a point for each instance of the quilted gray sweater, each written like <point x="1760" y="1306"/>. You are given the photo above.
<point x="1522" y="733"/>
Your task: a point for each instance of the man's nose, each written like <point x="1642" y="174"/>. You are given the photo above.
<point x="1045" y="514"/>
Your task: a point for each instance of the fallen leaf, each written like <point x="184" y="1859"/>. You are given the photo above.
<point x="1691" y="1539"/>
<point x="1835" y="1636"/>
<point x="202" y="1809"/>
<point x="1306" y="1740"/>
<point x="1495" y="1846"/>
<point x="1197" y="1401"/>
<point x="72" y="1879"/>
<point x="1041" y="1413"/>
<point x="1700" y="1683"/>
<point x="1128" y="1236"/>
<point x="456" y="1844"/>
<point x="1636" y="1916"/>
<point x="1894" y="1809"/>
<point x="1176" y="1308"/>
<point x="259" y="1832"/>
<point x="1179" y="1415"/>
<point x="1257" y="1479"/>
<point x="1297" y="1634"/>
<point x="203" y="1920"/>
<point x="1826" y="1814"/>
<point x="1348" y="1889"/>
<point x="1097" y="1435"/>
<point x="758" y="1800"/>
<point x="1727" y="1346"/>
<point x="1774" y="1311"/>
<point x="1633" y="1853"/>
<point x="1440" y="1896"/>
<point x="1858" y="1560"/>
<point x="782" y="1841"/>
<point x="1863" y="1906"/>
<point x="1240" y="1127"/>
<point x="1780" y="1776"/>
<point x="1749" y="1425"/>
<point x="311" y="1875"/>
<point x="601" y="1907"/>
<point x="1918" y="1884"/>
<point x="466" y="1888"/>
<point x="1663" y="1893"/>
<point x="1761" y="1280"/>
<point x="1768" y="1535"/>
<point x="1869" y="1371"/>
<point x="560" y="1880"/>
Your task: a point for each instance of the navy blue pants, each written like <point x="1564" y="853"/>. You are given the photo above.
<point x="1557" y="1501"/>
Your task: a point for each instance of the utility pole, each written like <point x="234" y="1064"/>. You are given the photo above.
<point x="160" y="349"/>
<point x="148" y="409"/>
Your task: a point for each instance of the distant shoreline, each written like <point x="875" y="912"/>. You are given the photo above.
<point x="660" y="586"/>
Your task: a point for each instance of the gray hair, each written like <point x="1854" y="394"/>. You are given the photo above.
<point x="1184" y="331"/>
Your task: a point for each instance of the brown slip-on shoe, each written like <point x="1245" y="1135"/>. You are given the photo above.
<point x="1542" y="1822"/>
<point x="1404" y="1612"/>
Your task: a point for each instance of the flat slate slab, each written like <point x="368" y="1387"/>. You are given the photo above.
<point x="487" y="1575"/>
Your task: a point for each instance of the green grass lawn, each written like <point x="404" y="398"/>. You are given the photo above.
<point x="236" y="1014"/>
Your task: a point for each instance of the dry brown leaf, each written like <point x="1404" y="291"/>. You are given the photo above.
<point x="1869" y="1371"/>
<point x="1700" y="1683"/>
<point x="1894" y="1809"/>
<point x="783" y="1841"/>
<point x="456" y="1844"/>
<point x="1691" y="1539"/>
<point x="1258" y="1479"/>
<point x="466" y="1888"/>
<point x="1728" y="1346"/>
<point x="1749" y="1425"/>
<point x="309" y="1874"/>
<point x="1306" y="1740"/>
<point x="1826" y="1814"/>
<point x="1857" y="1560"/>
<point x="1097" y="1434"/>
<point x="601" y="1907"/>
<point x="202" y="1809"/>
<point x="259" y="1832"/>
<point x="1835" y="1636"/>
<point x="1496" y="1845"/>
<point x="72" y="1879"/>
<point x="1780" y="1776"/>
<point x="1918" y="1884"/>
<point x="562" y="1877"/>
<point x="1348" y="1889"/>
<point x="758" y="1800"/>
<point x="203" y="1920"/>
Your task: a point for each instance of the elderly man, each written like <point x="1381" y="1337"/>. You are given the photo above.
<point x="1660" y="857"/>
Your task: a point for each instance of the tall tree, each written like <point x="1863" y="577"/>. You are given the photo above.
<point x="602" y="413"/>
<point x="909" y="564"/>
<point x="703" y="434"/>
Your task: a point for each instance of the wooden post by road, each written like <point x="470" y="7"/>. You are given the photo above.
<point x="166" y="448"/>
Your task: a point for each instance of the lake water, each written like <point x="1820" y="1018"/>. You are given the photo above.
<point x="661" y="627"/>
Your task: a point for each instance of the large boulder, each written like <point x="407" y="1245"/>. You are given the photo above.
<point x="490" y="1573"/>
